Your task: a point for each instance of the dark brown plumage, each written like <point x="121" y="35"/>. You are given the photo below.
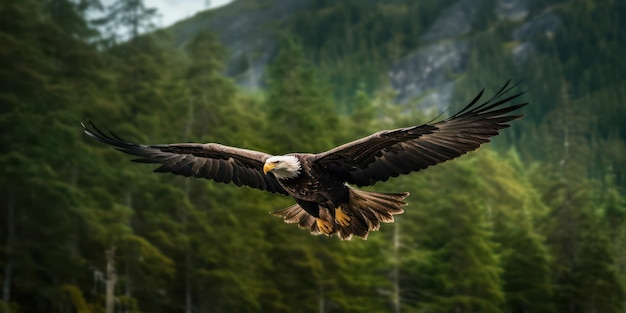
<point x="318" y="182"/>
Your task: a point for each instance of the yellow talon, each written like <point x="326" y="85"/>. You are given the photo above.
<point x="324" y="226"/>
<point x="342" y="218"/>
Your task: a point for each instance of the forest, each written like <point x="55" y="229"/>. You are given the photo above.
<point x="533" y="222"/>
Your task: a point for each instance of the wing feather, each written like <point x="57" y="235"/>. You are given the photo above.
<point x="207" y="171"/>
<point x="223" y="164"/>
<point x="391" y="153"/>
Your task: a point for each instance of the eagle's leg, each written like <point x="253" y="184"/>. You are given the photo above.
<point x="324" y="226"/>
<point x="342" y="218"/>
<point x="313" y="208"/>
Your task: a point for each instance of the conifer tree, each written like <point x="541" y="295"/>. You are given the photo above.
<point x="46" y="204"/>
<point x="299" y="105"/>
<point x="211" y="95"/>
<point x="512" y="207"/>
<point x="570" y="197"/>
<point x="363" y="114"/>
<point x="614" y="219"/>
<point x="219" y="224"/>
<point x="127" y="19"/>
<point x="458" y="269"/>
<point x="69" y="16"/>
<point x="598" y="288"/>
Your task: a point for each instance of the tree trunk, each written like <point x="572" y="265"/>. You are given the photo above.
<point x="8" y="251"/>
<point x="188" y="273"/>
<point x="111" y="280"/>
<point x="396" y="268"/>
<point x="188" y="298"/>
<point x="135" y="23"/>
<point x="322" y="303"/>
<point x="127" y="281"/>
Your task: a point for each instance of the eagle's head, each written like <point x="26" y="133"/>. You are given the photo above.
<point x="283" y="166"/>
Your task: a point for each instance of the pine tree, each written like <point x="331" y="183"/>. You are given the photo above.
<point x="127" y="19"/>
<point x="614" y="217"/>
<point x="362" y="115"/>
<point x="299" y="103"/>
<point x="47" y="208"/>
<point x="299" y="106"/>
<point x="598" y="288"/>
<point x="457" y="269"/>
<point x="513" y="206"/>
<point x="69" y="16"/>
<point x="211" y="96"/>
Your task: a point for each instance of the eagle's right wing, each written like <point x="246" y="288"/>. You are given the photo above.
<point x="390" y="153"/>
<point x="220" y="163"/>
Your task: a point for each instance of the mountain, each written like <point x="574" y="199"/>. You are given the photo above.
<point x="425" y="66"/>
<point x="248" y="29"/>
<point x="421" y="49"/>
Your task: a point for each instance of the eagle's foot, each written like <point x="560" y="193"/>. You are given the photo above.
<point x="342" y="218"/>
<point x="324" y="226"/>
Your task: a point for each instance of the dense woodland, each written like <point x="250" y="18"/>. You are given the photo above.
<point x="534" y="222"/>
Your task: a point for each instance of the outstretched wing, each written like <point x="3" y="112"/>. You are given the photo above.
<point x="220" y="163"/>
<point x="390" y="153"/>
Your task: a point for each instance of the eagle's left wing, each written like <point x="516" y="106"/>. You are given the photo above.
<point x="390" y="153"/>
<point x="223" y="164"/>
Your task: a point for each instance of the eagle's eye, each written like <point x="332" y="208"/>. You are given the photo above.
<point x="275" y="162"/>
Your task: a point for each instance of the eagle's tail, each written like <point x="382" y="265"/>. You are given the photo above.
<point x="367" y="209"/>
<point x="295" y="214"/>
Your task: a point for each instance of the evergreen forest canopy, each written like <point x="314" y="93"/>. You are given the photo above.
<point x="535" y="222"/>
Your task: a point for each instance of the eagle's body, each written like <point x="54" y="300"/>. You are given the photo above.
<point x="311" y="184"/>
<point x="325" y="203"/>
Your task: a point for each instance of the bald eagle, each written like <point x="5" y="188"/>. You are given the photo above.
<point x="320" y="184"/>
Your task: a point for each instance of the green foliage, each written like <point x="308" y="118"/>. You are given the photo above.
<point x="353" y="42"/>
<point x="460" y="257"/>
<point x="76" y="298"/>
<point x="513" y="206"/>
<point x="126" y="19"/>
<point x="536" y="225"/>
<point x="299" y="103"/>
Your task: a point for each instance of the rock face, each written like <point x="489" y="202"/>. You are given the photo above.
<point x="427" y="73"/>
<point x="524" y="51"/>
<point x="427" y="76"/>
<point x="512" y="10"/>
<point x="545" y="24"/>
<point x="454" y="22"/>
<point x="429" y="69"/>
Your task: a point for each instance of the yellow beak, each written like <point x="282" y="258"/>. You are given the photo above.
<point x="268" y="167"/>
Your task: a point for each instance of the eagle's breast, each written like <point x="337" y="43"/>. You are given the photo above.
<point x="313" y="184"/>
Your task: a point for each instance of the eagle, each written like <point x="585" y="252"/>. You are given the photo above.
<point x="324" y="185"/>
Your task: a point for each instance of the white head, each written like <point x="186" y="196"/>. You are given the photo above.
<point x="283" y="166"/>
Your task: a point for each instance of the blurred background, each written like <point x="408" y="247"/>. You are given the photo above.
<point x="533" y="222"/>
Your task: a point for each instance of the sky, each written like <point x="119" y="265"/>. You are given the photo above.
<point x="172" y="11"/>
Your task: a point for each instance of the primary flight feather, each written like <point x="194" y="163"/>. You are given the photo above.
<point x="325" y="203"/>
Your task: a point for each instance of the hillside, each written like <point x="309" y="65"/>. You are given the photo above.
<point x="418" y="48"/>
<point x="433" y="54"/>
